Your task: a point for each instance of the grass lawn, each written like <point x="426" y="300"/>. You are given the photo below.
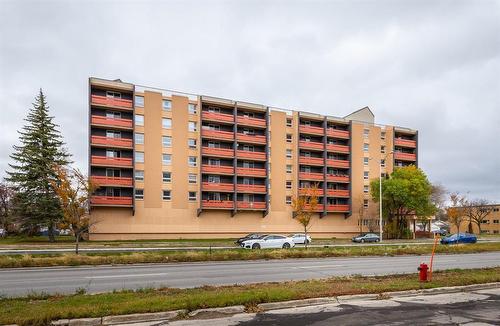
<point x="68" y="259"/>
<point x="40" y="309"/>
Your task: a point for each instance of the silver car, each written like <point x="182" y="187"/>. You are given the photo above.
<point x="300" y="238"/>
<point x="269" y="241"/>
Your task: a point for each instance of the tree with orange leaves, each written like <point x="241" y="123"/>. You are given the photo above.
<point x="304" y="206"/>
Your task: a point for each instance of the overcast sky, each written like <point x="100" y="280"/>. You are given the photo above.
<point x="429" y="65"/>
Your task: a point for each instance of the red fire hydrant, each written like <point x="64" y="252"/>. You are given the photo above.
<point x="423" y="268"/>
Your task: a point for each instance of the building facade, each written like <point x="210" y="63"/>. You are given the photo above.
<point x="490" y="224"/>
<point x="177" y="165"/>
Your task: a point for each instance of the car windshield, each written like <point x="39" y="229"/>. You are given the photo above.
<point x="262" y="236"/>
<point x="453" y="237"/>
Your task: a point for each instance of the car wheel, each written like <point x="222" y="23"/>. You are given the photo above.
<point x="362" y="240"/>
<point x="286" y="245"/>
<point x="307" y="241"/>
<point x="256" y="246"/>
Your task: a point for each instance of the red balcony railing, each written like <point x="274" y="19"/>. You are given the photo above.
<point x="217" y="204"/>
<point x="337" y="208"/>
<point x="255" y="172"/>
<point x="311" y="160"/>
<point x="217" y="134"/>
<point x="113" y="122"/>
<point x="311" y="144"/>
<point x="405" y="156"/>
<point x="215" y="116"/>
<point x="310" y="192"/>
<point x="216" y="169"/>
<point x="111" y="181"/>
<point x="405" y="142"/>
<point x="337" y="148"/>
<point x="311" y="130"/>
<point x="224" y="152"/>
<point x="111" y="161"/>
<point x="310" y="176"/>
<point x="251" y="155"/>
<point x="337" y="192"/>
<point x="337" y="178"/>
<point x="251" y="205"/>
<point x="111" y="141"/>
<point x="344" y="134"/>
<point x="110" y="101"/>
<point x="254" y="122"/>
<point x="319" y="207"/>
<point x="254" y="139"/>
<point x="110" y="200"/>
<point x="337" y="163"/>
<point x="250" y="188"/>
<point x="211" y="186"/>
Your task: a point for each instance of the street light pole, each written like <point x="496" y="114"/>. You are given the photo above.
<point x="381" y="229"/>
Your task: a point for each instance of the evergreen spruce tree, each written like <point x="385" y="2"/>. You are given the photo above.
<point x="36" y="204"/>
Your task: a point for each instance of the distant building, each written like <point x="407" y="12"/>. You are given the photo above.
<point x="490" y="225"/>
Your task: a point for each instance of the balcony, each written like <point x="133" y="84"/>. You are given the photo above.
<point x="217" y="134"/>
<point x="251" y="155"/>
<point x="250" y="188"/>
<point x="111" y="181"/>
<point x="405" y="156"/>
<point x="215" y="116"/>
<point x="253" y="139"/>
<point x="248" y="121"/>
<point x="311" y="176"/>
<point x="337" y="208"/>
<point x="319" y="207"/>
<point x="217" y="169"/>
<point x="311" y="145"/>
<point x="311" y="130"/>
<point x="337" y="192"/>
<point x="337" y="148"/>
<point x="251" y="205"/>
<point x="253" y="172"/>
<point x="218" y="152"/>
<point x="111" y="161"/>
<point x="337" y="163"/>
<point x="212" y="186"/>
<point x="111" y="141"/>
<point x="111" y="122"/>
<point x="335" y="133"/>
<point x="111" y="201"/>
<point x="217" y="204"/>
<point x="311" y="160"/>
<point x="310" y="192"/>
<point x="337" y="178"/>
<point x="111" y="102"/>
<point x="405" y="142"/>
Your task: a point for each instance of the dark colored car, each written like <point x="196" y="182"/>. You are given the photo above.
<point x="250" y="236"/>
<point x="459" y="238"/>
<point x="367" y="237"/>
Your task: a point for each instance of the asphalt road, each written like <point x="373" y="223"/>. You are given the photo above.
<point x="21" y="281"/>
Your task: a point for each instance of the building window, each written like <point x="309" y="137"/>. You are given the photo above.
<point x="167" y="177"/>
<point x="192" y="161"/>
<point x="288" y="200"/>
<point x="113" y="134"/>
<point x="288" y="153"/>
<point x="139" y="194"/>
<point x="139" y="101"/>
<point x="192" y="178"/>
<point x="139" y="175"/>
<point x="192" y="143"/>
<point x="166" y="141"/>
<point x="167" y="159"/>
<point x="112" y="94"/>
<point x="166" y="123"/>
<point x="192" y="195"/>
<point x="365" y="160"/>
<point x="139" y="120"/>
<point x="382" y="149"/>
<point x="288" y="138"/>
<point x="289" y="184"/>
<point x="192" y="108"/>
<point x="366" y="133"/>
<point x="365" y="203"/>
<point x="192" y="126"/>
<point x="139" y="139"/>
<point x="366" y="175"/>
<point x="288" y="122"/>
<point x="166" y="195"/>
<point x="382" y="135"/>
<point x="139" y="157"/>
<point x="167" y="105"/>
<point x="365" y="189"/>
<point x="289" y="168"/>
<point x="382" y="163"/>
<point x="496" y="221"/>
<point x="366" y="147"/>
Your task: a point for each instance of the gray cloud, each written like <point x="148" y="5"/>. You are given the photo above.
<point x="429" y="65"/>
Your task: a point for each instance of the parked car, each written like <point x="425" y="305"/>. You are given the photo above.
<point x="441" y="232"/>
<point x="249" y="237"/>
<point x="459" y="238"/>
<point x="300" y="238"/>
<point x="367" y="237"/>
<point x="269" y="241"/>
<point x="3" y="233"/>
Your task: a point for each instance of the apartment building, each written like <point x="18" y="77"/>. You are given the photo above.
<point x="489" y="225"/>
<point x="178" y="165"/>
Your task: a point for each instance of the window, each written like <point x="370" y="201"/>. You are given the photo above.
<point x="382" y="163"/>
<point x="167" y="177"/>
<point x="139" y="175"/>
<point x="365" y="160"/>
<point x="192" y="143"/>
<point x="113" y="173"/>
<point x="111" y="153"/>
<point x="192" y="196"/>
<point x="214" y="179"/>
<point x="382" y="149"/>
<point x="192" y="161"/>
<point x="139" y="157"/>
<point x="166" y="195"/>
<point x="366" y="132"/>
<point x="366" y="147"/>
<point x="113" y="94"/>
<point x="288" y="153"/>
<point x="166" y="123"/>
<point x="113" y="134"/>
<point x="113" y="115"/>
<point x="288" y="200"/>
<point x="495" y="221"/>
<point x="192" y="178"/>
<point x="192" y="108"/>
<point x="382" y="135"/>
<point x="139" y="194"/>
<point x="166" y="141"/>
<point x="289" y="184"/>
<point x="192" y="126"/>
<point x="365" y="203"/>
<point x="139" y="139"/>
<point x="139" y="101"/>
<point x="289" y="168"/>
<point x="167" y="159"/>
<point x="366" y="175"/>
<point x="288" y="122"/>
<point x="167" y="105"/>
<point x="139" y="120"/>
<point x="365" y="189"/>
<point x="288" y="138"/>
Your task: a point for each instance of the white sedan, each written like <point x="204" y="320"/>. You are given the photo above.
<point x="269" y="241"/>
<point x="300" y="238"/>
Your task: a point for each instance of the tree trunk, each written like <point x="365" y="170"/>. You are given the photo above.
<point x="305" y="234"/>
<point x="50" y="232"/>
<point x="77" y="239"/>
<point x="479" y="228"/>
